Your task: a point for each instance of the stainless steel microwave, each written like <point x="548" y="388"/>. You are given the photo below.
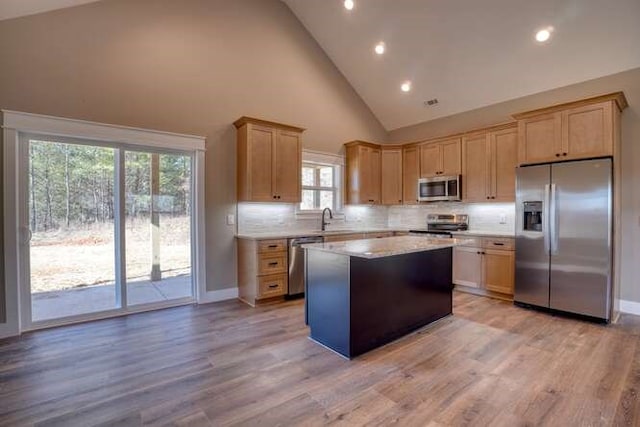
<point x="439" y="188"/>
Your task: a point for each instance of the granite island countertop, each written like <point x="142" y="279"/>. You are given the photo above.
<point x="386" y="246"/>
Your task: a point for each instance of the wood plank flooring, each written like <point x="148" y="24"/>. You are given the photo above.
<point x="228" y="364"/>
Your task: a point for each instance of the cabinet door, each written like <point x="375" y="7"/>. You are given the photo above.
<point x="429" y="160"/>
<point x="392" y="177"/>
<point x="287" y="167"/>
<point x="504" y="159"/>
<point x="467" y="266"/>
<point x="260" y="143"/>
<point x="364" y="175"/>
<point x="450" y="157"/>
<point x="588" y="131"/>
<point x="410" y="175"/>
<point x="476" y="173"/>
<point x="375" y="179"/>
<point x="539" y="139"/>
<point x="499" y="270"/>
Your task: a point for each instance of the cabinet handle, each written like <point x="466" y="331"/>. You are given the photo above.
<point x="271" y="264"/>
<point x="274" y="197"/>
<point x="273" y="286"/>
<point x="488" y="197"/>
<point x="479" y="253"/>
<point x="557" y="154"/>
<point x="273" y="246"/>
<point x="498" y="244"/>
<point x="564" y="154"/>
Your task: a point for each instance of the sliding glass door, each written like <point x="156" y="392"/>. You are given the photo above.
<point x="71" y="219"/>
<point x="158" y="226"/>
<point x="110" y="229"/>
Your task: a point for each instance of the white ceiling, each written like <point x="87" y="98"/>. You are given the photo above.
<point x="15" y="8"/>
<point x="469" y="53"/>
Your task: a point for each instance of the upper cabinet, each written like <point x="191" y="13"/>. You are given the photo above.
<point x="391" y="175"/>
<point x="363" y="173"/>
<point x="489" y="160"/>
<point x="269" y="161"/>
<point x="577" y="130"/>
<point x="440" y="158"/>
<point x="410" y="174"/>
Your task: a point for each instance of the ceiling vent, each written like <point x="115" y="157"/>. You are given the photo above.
<point x="431" y="102"/>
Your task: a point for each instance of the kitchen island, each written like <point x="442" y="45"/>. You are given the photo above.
<point x="362" y="294"/>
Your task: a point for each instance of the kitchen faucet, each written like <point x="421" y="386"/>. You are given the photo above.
<point x="324" y="223"/>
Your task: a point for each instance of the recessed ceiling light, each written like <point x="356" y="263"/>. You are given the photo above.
<point x="380" y="48"/>
<point x="543" y="34"/>
<point x="406" y="86"/>
<point x="349" y="4"/>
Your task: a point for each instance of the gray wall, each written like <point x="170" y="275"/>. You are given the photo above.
<point x="629" y="83"/>
<point x="190" y="66"/>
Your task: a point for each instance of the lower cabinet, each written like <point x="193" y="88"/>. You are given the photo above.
<point x="486" y="264"/>
<point x="262" y="270"/>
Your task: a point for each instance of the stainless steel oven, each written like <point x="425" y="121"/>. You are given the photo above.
<point x="439" y="188"/>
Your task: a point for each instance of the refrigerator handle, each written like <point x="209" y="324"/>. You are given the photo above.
<point x="545" y="218"/>
<point x="553" y="220"/>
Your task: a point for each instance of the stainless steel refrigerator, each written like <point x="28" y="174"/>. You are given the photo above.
<point x="563" y="237"/>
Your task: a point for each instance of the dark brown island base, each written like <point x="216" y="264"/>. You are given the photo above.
<point x="363" y="294"/>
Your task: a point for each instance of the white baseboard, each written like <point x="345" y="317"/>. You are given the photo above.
<point x="630" y="307"/>
<point x="220" y="295"/>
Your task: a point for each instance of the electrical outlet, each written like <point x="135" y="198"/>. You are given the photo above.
<point x="503" y="219"/>
<point x="231" y="219"/>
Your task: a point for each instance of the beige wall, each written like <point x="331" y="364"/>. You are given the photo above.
<point x="190" y="66"/>
<point x="629" y="82"/>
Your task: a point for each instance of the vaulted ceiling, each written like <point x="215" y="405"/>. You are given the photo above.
<point x="15" y="8"/>
<point x="469" y="54"/>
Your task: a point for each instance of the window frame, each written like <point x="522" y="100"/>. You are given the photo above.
<point x="318" y="159"/>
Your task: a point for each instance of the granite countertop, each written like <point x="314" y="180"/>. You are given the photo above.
<point x="303" y="233"/>
<point x="384" y="247"/>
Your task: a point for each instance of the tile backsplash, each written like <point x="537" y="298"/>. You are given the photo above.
<point x="275" y="217"/>
<point x="498" y="217"/>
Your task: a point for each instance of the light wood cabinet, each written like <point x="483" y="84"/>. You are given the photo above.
<point x="578" y="130"/>
<point x="476" y="169"/>
<point x="441" y="158"/>
<point x="539" y="138"/>
<point x="489" y="160"/>
<point x="410" y="174"/>
<point x="485" y="264"/>
<point x="363" y="173"/>
<point x="344" y="237"/>
<point x="498" y="270"/>
<point x="269" y="161"/>
<point x="391" y="191"/>
<point x="262" y="269"/>
<point x="503" y="162"/>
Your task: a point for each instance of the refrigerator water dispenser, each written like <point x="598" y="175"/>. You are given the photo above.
<point x="532" y="216"/>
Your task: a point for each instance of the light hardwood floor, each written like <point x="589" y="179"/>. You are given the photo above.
<point x="228" y="364"/>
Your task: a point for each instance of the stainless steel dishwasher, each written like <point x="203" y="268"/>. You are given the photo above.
<point x="296" y="263"/>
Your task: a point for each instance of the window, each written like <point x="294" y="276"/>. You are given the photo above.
<point x="319" y="187"/>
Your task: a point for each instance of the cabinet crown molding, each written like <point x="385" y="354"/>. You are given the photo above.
<point x="618" y="97"/>
<point x="358" y="142"/>
<point x="245" y="119"/>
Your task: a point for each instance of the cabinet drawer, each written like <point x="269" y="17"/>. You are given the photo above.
<point x="271" y="264"/>
<point x="271" y="286"/>
<point x="472" y="242"/>
<point x="266" y="246"/>
<point x="344" y="237"/>
<point x="506" y="244"/>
